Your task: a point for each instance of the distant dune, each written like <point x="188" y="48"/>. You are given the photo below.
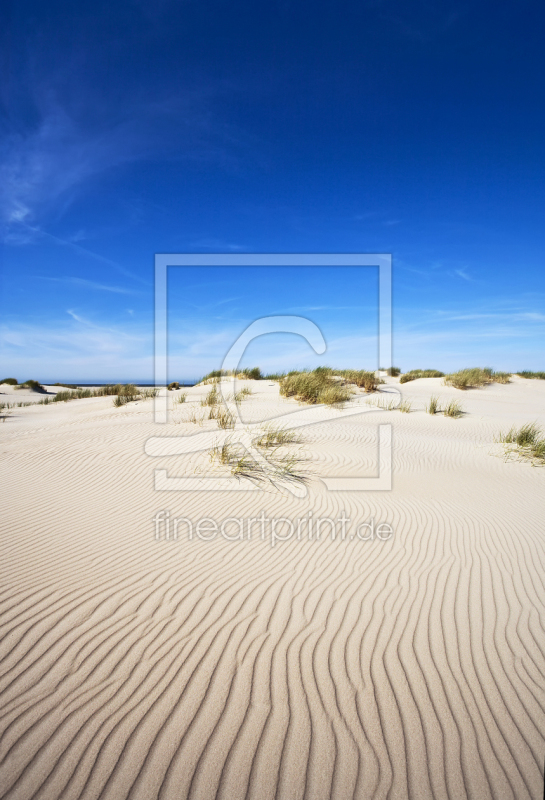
<point x="407" y="666"/>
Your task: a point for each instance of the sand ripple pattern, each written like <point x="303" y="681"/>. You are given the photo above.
<point x="143" y="669"/>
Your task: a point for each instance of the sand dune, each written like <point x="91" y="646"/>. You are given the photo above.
<point x="409" y="667"/>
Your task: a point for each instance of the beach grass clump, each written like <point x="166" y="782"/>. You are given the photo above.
<point x="433" y="405"/>
<point x="212" y="398"/>
<point x="66" y="385"/>
<point x="313" y="388"/>
<point x="182" y="397"/>
<point x="453" y="409"/>
<point x="225" y="419"/>
<point x="127" y="394"/>
<point x="62" y="397"/>
<point x="528" y="441"/>
<point x="393" y="372"/>
<point x="273" y="436"/>
<point x="415" y="374"/>
<point x="10" y="381"/>
<point x="475" y="377"/>
<point x="405" y="407"/>
<point x="34" y="386"/>
<point x="523" y="374"/>
<point x="364" y="379"/>
<point x="278" y="466"/>
<point x="172" y="386"/>
<point x="251" y="373"/>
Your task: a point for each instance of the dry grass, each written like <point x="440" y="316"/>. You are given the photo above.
<point x="225" y="419"/>
<point x="276" y="467"/>
<point x="212" y="398"/>
<point x="453" y="409"/>
<point x="415" y="374"/>
<point x="405" y="407"/>
<point x="272" y="436"/>
<point x="533" y="375"/>
<point x="314" y="387"/>
<point x="182" y="398"/>
<point x="433" y="405"/>
<point x="475" y="377"/>
<point x="527" y="442"/>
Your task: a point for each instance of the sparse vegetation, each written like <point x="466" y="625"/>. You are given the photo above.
<point x="523" y="374"/>
<point x="34" y="386"/>
<point x="241" y="464"/>
<point x="453" y="409"/>
<point x="415" y="374"/>
<point x="383" y="403"/>
<point x="314" y="387"/>
<point x="433" y="405"/>
<point x="474" y="377"/>
<point x="225" y="419"/>
<point x="173" y="385"/>
<point x="393" y="372"/>
<point x="273" y="436"/>
<point x="405" y="407"/>
<point x="527" y="441"/>
<point x="9" y="381"/>
<point x="252" y="373"/>
<point x="182" y="398"/>
<point x="212" y="398"/>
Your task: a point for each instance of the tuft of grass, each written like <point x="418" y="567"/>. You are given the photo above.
<point x="182" y="398"/>
<point x="433" y="405"/>
<point x="62" y="397"/>
<point x="527" y="441"/>
<point x="252" y="373"/>
<point x="34" y="386"/>
<point x="225" y="419"/>
<point x="314" y="387"/>
<point x="453" y="409"/>
<point x="405" y="407"/>
<point x="242" y="465"/>
<point x="66" y="385"/>
<point x="212" y="398"/>
<point x="474" y="377"/>
<point x="10" y="381"/>
<point x="393" y="372"/>
<point x="272" y="436"/>
<point x="523" y="374"/>
<point x="363" y="378"/>
<point x="415" y="374"/>
<point x="173" y="385"/>
<point x="383" y="403"/>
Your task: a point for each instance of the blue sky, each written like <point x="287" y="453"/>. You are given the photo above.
<point x="133" y="128"/>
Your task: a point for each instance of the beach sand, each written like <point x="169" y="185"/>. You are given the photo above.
<point x="406" y="667"/>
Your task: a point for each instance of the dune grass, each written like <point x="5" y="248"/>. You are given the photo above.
<point x="453" y="409"/>
<point x="527" y="441"/>
<point x="277" y="467"/>
<point x="182" y="398"/>
<point x="314" y="387"/>
<point x="405" y="407"/>
<point x="10" y="381"/>
<point x="172" y="386"/>
<point x="523" y="374"/>
<point x="433" y="405"/>
<point x="273" y="436"/>
<point x="34" y="386"/>
<point x="212" y="398"/>
<point x="415" y="374"/>
<point x="475" y="377"/>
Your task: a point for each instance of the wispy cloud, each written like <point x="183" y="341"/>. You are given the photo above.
<point x="86" y="284"/>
